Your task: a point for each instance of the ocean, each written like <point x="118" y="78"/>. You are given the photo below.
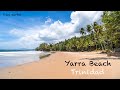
<point x="10" y="58"/>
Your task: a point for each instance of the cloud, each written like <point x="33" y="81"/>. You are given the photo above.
<point x="49" y="20"/>
<point x="54" y="31"/>
<point x="83" y="18"/>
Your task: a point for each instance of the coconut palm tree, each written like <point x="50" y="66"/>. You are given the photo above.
<point x="89" y="30"/>
<point x="82" y="31"/>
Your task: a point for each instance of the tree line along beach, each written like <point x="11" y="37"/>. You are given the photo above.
<point x="96" y="36"/>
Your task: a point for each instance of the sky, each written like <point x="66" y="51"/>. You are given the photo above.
<point x="28" y="29"/>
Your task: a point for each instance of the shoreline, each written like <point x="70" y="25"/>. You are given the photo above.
<point x="11" y="59"/>
<point x="40" y="58"/>
<point x="54" y="67"/>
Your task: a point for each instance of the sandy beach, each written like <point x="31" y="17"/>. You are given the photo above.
<point x="55" y="67"/>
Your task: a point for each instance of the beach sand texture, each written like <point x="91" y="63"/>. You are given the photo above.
<point x="54" y="67"/>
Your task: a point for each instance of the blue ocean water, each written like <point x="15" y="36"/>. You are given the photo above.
<point x="10" y="58"/>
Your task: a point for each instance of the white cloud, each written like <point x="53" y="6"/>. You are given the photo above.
<point x="49" y="20"/>
<point x="55" y="31"/>
<point x="17" y="32"/>
<point x="82" y="18"/>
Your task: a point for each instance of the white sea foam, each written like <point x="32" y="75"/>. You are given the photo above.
<point x="19" y="57"/>
<point x="20" y="53"/>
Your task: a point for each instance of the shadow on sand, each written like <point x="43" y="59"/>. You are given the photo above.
<point x="100" y="58"/>
<point x="116" y="56"/>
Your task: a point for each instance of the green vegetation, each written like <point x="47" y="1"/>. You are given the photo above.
<point x="43" y="56"/>
<point x="105" y="36"/>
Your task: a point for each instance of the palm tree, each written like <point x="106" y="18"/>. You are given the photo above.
<point x="89" y="30"/>
<point x="95" y="28"/>
<point x="82" y="31"/>
<point x="98" y="29"/>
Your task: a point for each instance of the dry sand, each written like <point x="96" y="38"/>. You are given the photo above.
<point x="54" y="67"/>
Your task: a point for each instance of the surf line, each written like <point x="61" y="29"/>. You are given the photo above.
<point x="91" y="63"/>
